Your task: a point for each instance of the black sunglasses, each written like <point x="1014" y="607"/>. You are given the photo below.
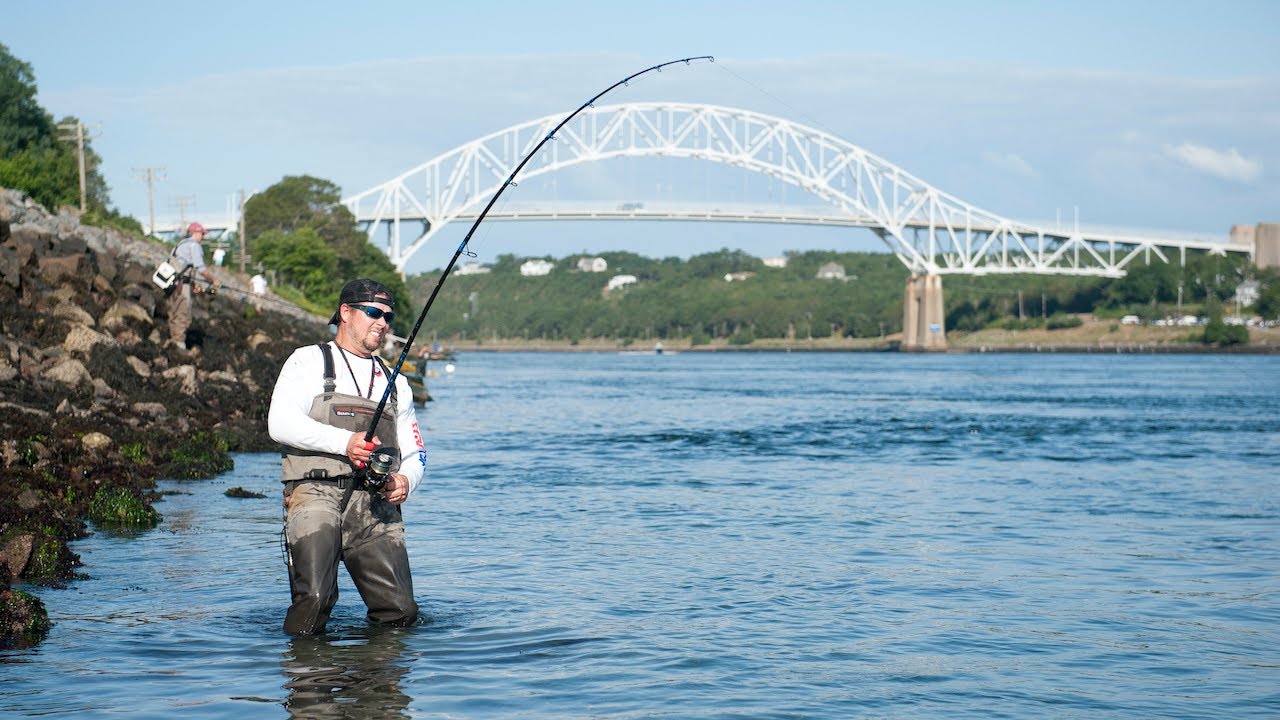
<point x="375" y="313"/>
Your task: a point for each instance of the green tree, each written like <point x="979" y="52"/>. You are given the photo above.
<point x="299" y="228"/>
<point x="1143" y="284"/>
<point x="31" y="158"/>
<point x="1216" y="330"/>
<point x="35" y="161"/>
<point x="302" y="259"/>
<point x="1268" y="304"/>
<point x="23" y="123"/>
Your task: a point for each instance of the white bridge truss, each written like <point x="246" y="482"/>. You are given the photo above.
<point x="931" y="231"/>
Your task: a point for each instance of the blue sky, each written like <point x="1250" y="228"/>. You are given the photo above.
<point x="1151" y="115"/>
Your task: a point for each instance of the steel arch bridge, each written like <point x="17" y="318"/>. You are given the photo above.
<point x="931" y="231"/>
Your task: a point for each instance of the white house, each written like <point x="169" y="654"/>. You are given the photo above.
<point x="739" y="276"/>
<point x="472" y="269"/>
<point x="596" y="264"/>
<point x="831" y="271"/>
<point x="618" y="281"/>
<point x="774" y="262"/>
<point x="536" y="267"/>
<point x="1247" y="293"/>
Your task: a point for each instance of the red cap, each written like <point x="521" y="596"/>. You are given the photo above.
<point x="194" y="228"/>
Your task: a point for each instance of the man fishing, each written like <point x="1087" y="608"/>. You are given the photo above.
<point x="190" y="260"/>
<point x="342" y="494"/>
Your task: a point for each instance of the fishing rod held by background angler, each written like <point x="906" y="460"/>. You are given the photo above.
<point x="395" y="371"/>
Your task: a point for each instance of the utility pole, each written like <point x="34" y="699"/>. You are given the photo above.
<point x="240" y="232"/>
<point x="76" y="134"/>
<point x="152" y="176"/>
<point x="182" y="201"/>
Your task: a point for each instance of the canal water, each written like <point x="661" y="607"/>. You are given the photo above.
<point x="728" y="535"/>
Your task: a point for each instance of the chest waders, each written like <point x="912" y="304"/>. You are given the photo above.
<point x="327" y="522"/>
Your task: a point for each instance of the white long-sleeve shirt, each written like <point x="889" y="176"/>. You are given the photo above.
<point x="302" y="379"/>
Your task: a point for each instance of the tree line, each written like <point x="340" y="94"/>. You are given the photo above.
<point x="674" y="298"/>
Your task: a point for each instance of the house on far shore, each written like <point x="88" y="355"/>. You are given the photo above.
<point x="739" y="276"/>
<point x="596" y="264"/>
<point x="774" y="262"/>
<point x="536" y="267"/>
<point x="473" y="269"/>
<point x="618" y="281"/>
<point x="831" y="271"/>
<point x="1248" y="292"/>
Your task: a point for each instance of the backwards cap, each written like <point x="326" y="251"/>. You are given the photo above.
<point x="363" y="291"/>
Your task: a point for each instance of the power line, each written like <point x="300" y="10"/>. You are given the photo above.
<point x="76" y="133"/>
<point x="182" y="202"/>
<point x="151" y="177"/>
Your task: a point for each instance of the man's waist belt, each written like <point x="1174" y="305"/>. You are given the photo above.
<point x="319" y="477"/>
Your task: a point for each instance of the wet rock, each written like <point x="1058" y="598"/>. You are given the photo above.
<point x="139" y="367"/>
<point x="69" y="372"/>
<point x="23" y="620"/>
<point x="67" y="311"/>
<point x="64" y="267"/>
<point x="151" y="409"/>
<point x="95" y="441"/>
<point x="117" y="316"/>
<point x="28" y="500"/>
<point x="15" y="553"/>
<point x="239" y="492"/>
<point x="81" y="339"/>
<point x="101" y="389"/>
<point x="186" y="377"/>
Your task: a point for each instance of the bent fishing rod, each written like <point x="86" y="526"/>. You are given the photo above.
<point x="462" y="247"/>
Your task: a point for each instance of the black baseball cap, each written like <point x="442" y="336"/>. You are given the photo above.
<point x="363" y="291"/>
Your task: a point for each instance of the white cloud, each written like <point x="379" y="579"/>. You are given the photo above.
<point x="1011" y="162"/>
<point x="1229" y="165"/>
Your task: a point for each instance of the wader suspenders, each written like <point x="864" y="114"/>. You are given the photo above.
<point x="330" y="385"/>
<point x="330" y="377"/>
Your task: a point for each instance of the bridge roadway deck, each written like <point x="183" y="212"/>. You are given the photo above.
<point x="533" y="213"/>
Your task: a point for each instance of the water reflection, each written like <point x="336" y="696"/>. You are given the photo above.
<point x="355" y="675"/>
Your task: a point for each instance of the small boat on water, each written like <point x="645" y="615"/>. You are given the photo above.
<point x="415" y="371"/>
<point x="417" y="378"/>
<point x="657" y="350"/>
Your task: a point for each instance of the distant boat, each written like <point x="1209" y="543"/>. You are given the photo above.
<point x="417" y="377"/>
<point x="657" y="350"/>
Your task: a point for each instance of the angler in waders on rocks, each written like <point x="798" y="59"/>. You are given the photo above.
<point x="342" y="494"/>
<point x="189" y="255"/>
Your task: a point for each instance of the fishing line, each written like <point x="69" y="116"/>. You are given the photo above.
<point x="806" y="116"/>
<point x="462" y="247"/>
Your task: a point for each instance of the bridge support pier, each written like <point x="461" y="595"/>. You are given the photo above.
<point x="923" y="323"/>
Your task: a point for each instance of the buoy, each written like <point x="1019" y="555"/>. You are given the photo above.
<point x="448" y="368"/>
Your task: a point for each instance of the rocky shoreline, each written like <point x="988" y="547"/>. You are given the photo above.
<point x="92" y="408"/>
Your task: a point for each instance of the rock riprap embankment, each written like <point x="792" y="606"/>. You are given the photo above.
<point x="93" y="409"/>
